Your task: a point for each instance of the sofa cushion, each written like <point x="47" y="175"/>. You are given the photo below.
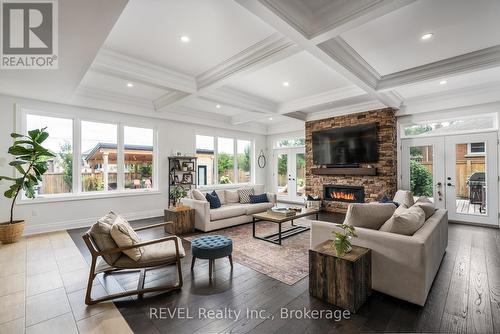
<point x="232" y="196"/>
<point x="404" y="197"/>
<point x="124" y="235"/>
<point x="405" y="221"/>
<point x="262" y="198"/>
<point x="213" y="199"/>
<point x="198" y="195"/>
<point x="426" y="205"/>
<point x="244" y="194"/>
<point x="101" y="235"/>
<point x="227" y="211"/>
<point x="221" y="193"/>
<point x="257" y="208"/>
<point x="371" y="216"/>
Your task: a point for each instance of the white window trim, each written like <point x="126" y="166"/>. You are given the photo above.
<point x="235" y="162"/>
<point x="77" y="193"/>
<point x="475" y="154"/>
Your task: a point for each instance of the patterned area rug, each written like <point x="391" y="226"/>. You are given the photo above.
<point x="288" y="263"/>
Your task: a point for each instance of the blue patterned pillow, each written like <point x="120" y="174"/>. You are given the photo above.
<point x="258" y="199"/>
<point x="213" y="199"/>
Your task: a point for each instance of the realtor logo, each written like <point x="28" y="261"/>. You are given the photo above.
<point x="29" y="38"/>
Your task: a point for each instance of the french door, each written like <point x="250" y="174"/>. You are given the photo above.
<point x="289" y="174"/>
<point x="458" y="171"/>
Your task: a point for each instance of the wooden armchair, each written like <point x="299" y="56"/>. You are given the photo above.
<point x="157" y="253"/>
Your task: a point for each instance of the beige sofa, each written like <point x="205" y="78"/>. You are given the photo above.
<point x="229" y="214"/>
<point x="402" y="266"/>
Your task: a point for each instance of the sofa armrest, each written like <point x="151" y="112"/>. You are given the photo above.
<point x="202" y="212"/>
<point x="272" y="197"/>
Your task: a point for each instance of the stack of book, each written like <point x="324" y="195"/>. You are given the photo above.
<point x="281" y="212"/>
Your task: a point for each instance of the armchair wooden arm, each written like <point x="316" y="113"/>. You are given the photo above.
<point x="145" y="243"/>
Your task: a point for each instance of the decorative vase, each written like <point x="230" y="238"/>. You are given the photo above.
<point x="10" y="233"/>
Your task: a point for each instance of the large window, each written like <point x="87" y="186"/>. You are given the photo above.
<point x="103" y="157"/>
<point x="223" y="160"/>
<point x="99" y="156"/>
<point x="59" y="177"/>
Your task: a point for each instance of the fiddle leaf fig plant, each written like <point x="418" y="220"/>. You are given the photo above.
<point x="342" y="241"/>
<point x="30" y="160"/>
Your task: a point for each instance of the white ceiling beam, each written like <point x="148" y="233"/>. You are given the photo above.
<point x="128" y="68"/>
<point x="320" y="99"/>
<point x="466" y="63"/>
<point x="355" y="17"/>
<point x="270" y="50"/>
<point x="239" y="99"/>
<point x="247" y="117"/>
<point x="168" y="98"/>
<point x="269" y="16"/>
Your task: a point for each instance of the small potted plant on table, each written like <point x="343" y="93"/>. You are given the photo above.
<point x="177" y="193"/>
<point x="342" y="241"/>
<point x="30" y="160"/>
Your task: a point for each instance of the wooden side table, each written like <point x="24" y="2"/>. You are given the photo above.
<point x="183" y="221"/>
<point x="342" y="281"/>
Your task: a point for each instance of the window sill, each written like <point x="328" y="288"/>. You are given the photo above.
<point x="225" y="186"/>
<point x="87" y="196"/>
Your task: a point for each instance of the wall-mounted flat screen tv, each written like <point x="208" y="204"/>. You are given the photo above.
<point x="346" y="146"/>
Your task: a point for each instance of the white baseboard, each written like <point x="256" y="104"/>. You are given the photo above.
<point x="86" y="222"/>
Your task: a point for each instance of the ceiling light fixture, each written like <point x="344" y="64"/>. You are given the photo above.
<point x="270" y="118"/>
<point x="217" y="106"/>
<point x="443" y="82"/>
<point x="185" y="39"/>
<point x="427" y="36"/>
<point x="129" y="84"/>
<point x="286" y="83"/>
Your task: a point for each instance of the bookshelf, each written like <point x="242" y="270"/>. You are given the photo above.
<point x="182" y="172"/>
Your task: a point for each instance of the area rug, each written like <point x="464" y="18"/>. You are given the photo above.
<point x="288" y="263"/>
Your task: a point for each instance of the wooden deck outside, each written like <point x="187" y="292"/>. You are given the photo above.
<point x="464" y="206"/>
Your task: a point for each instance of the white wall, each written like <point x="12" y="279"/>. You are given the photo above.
<point x="48" y="216"/>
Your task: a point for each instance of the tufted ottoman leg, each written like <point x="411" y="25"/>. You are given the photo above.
<point x="192" y="263"/>
<point x="231" y="261"/>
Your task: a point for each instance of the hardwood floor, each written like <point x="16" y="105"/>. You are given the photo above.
<point x="465" y="296"/>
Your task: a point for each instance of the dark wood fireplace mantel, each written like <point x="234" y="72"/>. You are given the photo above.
<point x="344" y="171"/>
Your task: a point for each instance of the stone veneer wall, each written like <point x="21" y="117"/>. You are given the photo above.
<point x="384" y="183"/>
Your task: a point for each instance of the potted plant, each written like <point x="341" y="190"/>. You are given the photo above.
<point x="30" y="160"/>
<point x="176" y="193"/>
<point x="342" y="241"/>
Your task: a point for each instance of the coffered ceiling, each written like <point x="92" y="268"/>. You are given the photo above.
<point x="268" y="65"/>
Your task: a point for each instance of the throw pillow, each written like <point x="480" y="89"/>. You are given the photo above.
<point x="221" y="195"/>
<point x="370" y="216"/>
<point x="101" y="235"/>
<point x="404" y="197"/>
<point x="197" y="195"/>
<point x="213" y="199"/>
<point x="405" y="221"/>
<point x="244" y="194"/>
<point x="124" y="235"/>
<point x="232" y="196"/>
<point x="426" y="205"/>
<point x="262" y="198"/>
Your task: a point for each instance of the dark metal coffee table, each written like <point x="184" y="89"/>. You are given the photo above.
<point x="276" y="238"/>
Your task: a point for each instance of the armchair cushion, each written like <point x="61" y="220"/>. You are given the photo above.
<point x="124" y="235"/>
<point x="371" y="216"/>
<point x="153" y="255"/>
<point x="101" y="235"/>
<point x="425" y="204"/>
<point x="405" y="221"/>
<point x="404" y="197"/>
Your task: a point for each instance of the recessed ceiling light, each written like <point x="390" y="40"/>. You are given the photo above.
<point x="185" y="39"/>
<point x="129" y="84"/>
<point x="217" y="106"/>
<point x="270" y="118"/>
<point x="427" y="36"/>
<point x="286" y="83"/>
<point x="443" y="82"/>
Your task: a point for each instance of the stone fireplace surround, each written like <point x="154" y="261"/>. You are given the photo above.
<point x="384" y="183"/>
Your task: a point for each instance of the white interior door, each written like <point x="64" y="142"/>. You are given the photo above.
<point x="471" y="178"/>
<point x="422" y="167"/>
<point x="289" y="174"/>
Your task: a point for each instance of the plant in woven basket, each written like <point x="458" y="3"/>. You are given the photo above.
<point x="342" y="241"/>
<point x="177" y="193"/>
<point x="30" y="160"/>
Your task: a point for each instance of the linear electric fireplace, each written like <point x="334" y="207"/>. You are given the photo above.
<point x="343" y="193"/>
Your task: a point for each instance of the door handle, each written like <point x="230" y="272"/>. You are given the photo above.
<point x="450" y="185"/>
<point x="439" y="184"/>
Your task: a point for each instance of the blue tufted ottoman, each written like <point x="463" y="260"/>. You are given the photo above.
<point x="211" y="247"/>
